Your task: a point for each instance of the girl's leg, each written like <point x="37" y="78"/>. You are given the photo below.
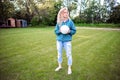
<point x="68" y="49"/>
<point x="59" y="51"/>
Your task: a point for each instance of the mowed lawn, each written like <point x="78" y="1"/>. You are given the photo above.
<point x="30" y="54"/>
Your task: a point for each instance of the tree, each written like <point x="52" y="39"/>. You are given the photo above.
<point x="47" y="13"/>
<point x="115" y="15"/>
<point x="25" y="9"/>
<point x="92" y="12"/>
<point x="70" y="4"/>
<point x="6" y="10"/>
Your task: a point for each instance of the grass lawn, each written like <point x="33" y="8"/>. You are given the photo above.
<point x="30" y="54"/>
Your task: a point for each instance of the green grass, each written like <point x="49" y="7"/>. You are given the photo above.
<point x="30" y="54"/>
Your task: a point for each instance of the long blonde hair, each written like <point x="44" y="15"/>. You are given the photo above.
<point x="59" y="16"/>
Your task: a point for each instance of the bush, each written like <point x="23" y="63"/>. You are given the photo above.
<point x="79" y="20"/>
<point x="35" y="21"/>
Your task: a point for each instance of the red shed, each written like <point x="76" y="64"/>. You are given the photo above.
<point x="11" y="22"/>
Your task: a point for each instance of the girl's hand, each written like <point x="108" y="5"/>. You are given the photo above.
<point x="68" y="32"/>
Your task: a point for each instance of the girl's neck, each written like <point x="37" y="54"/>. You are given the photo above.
<point x="65" y="19"/>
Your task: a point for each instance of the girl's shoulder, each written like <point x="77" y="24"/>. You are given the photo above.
<point x="70" y="21"/>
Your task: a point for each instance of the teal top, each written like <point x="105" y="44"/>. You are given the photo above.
<point x="65" y="37"/>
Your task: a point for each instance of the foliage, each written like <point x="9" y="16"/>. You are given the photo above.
<point x="92" y="13"/>
<point x="25" y="9"/>
<point x="72" y="6"/>
<point x="22" y="14"/>
<point x="47" y="15"/>
<point x="80" y="19"/>
<point x="115" y="15"/>
<point x="6" y="10"/>
<point x="35" y="21"/>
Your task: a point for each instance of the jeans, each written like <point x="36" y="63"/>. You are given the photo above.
<point x="67" y="46"/>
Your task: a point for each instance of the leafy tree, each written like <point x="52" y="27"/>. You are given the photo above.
<point x="92" y="12"/>
<point x="115" y="15"/>
<point x="47" y="13"/>
<point x="24" y="9"/>
<point x="6" y="10"/>
<point x="70" y="4"/>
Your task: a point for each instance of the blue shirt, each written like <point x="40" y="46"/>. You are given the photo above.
<point x="65" y="37"/>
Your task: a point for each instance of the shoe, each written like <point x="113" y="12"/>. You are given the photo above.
<point x="58" y="68"/>
<point x="69" y="71"/>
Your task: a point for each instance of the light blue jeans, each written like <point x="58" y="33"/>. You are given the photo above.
<point x="67" y="46"/>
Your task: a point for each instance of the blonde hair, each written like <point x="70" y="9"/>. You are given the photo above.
<point x="59" y="16"/>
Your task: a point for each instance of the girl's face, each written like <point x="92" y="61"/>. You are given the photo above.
<point x="65" y="14"/>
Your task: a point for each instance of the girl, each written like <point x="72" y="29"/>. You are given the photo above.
<point x="64" y="40"/>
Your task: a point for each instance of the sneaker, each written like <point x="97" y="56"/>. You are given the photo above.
<point x="69" y="71"/>
<point x="58" y="68"/>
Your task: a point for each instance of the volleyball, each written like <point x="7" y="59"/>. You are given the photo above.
<point x="64" y="29"/>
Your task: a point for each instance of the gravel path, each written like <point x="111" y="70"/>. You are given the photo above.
<point x="116" y="29"/>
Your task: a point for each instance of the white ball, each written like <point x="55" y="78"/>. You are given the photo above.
<point x="64" y="29"/>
